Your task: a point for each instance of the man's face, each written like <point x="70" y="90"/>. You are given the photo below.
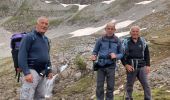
<point x="110" y="30"/>
<point x="42" y="25"/>
<point x="135" y="33"/>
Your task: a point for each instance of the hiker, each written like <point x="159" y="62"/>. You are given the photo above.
<point x="107" y="50"/>
<point x="15" y="44"/>
<point x="137" y="62"/>
<point x="34" y="60"/>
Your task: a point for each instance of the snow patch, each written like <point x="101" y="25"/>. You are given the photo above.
<point x="91" y="30"/>
<point x="86" y="31"/>
<point x="80" y="6"/>
<point x="124" y="24"/>
<point x="153" y="10"/>
<point x="108" y="1"/>
<point x="121" y="34"/>
<point x="48" y="1"/>
<point x="168" y="91"/>
<point x="144" y="2"/>
<point x="64" y="5"/>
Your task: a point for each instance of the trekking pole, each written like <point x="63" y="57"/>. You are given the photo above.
<point x="121" y="81"/>
<point x="93" y="70"/>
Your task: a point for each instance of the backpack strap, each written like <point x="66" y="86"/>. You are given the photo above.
<point x="34" y="37"/>
<point x="125" y="44"/>
<point x="48" y="41"/>
<point x="144" y="45"/>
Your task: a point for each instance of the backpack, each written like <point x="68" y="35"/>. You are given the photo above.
<point x="125" y="45"/>
<point x="16" y="40"/>
<point x="15" y="44"/>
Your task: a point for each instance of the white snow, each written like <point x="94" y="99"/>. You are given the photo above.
<point x="64" y="5"/>
<point x="108" y="2"/>
<point x="48" y="1"/>
<point x="86" y="31"/>
<point x="91" y="30"/>
<point x="80" y="6"/>
<point x="124" y="24"/>
<point x="144" y="2"/>
<point x="125" y="33"/>
<point x="168" y="91"/>
<point x="153" y="10"/>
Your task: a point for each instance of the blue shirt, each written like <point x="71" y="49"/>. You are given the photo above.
<point x="33" y="46"/>
<point x="107" y="45"/>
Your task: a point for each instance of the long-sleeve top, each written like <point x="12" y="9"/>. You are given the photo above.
<point x="105" y="46"/>
<point x="135" y="51"/>
<point x="34" y="47"/>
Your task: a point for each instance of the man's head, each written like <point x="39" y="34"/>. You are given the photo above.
<point x="135" y="32"/>
<point x="42" y="24"/>
<point x="110" y="28"/>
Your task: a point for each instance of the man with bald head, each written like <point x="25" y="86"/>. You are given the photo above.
<point x="107" y="50"/>
<point x="137" y="62"/>
<point x="34" y="60"/>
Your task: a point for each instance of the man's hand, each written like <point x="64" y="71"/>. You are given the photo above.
<point x="29" y="78"/>
<point x="129" y="68"/>
<point x="18" y="70"/>
<point x="93" y="57"/>
<point x="113" y="55"/>
<point x="147" y="69"/>
<point x="50" y="75"/>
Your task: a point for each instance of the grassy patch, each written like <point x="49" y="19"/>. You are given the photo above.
<point x="82" y="85"/>
<point x="5" y="66"/>
<point x="157" y="94"/>
<point x="80" y="62"/>
<point x="55" y="22"/>
<point x="159" y="46"/>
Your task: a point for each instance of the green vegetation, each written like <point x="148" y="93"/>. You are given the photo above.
<point x="55" y="22"/>
<point x="4" y="9"/>
<point x="80" y="86"/>
<point x="5" y="64"/>
<point x="159" y="46"/>
<point x="80" y="63"/>
<point x="20" y="23"/>
<point x="157" y="94"/>
<point x="24" y="8"/>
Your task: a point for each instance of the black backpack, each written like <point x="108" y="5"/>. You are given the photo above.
<point x="15" y="44"/>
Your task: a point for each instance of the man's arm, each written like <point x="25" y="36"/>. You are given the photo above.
<point x="96" y="50"/>
<point x="97" y="47"/>
<point x="23" y="54"/>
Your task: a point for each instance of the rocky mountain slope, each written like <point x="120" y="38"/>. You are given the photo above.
<point x="73" y="32"/>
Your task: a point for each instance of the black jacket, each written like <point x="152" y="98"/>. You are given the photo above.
<point x="135" y="51"/>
